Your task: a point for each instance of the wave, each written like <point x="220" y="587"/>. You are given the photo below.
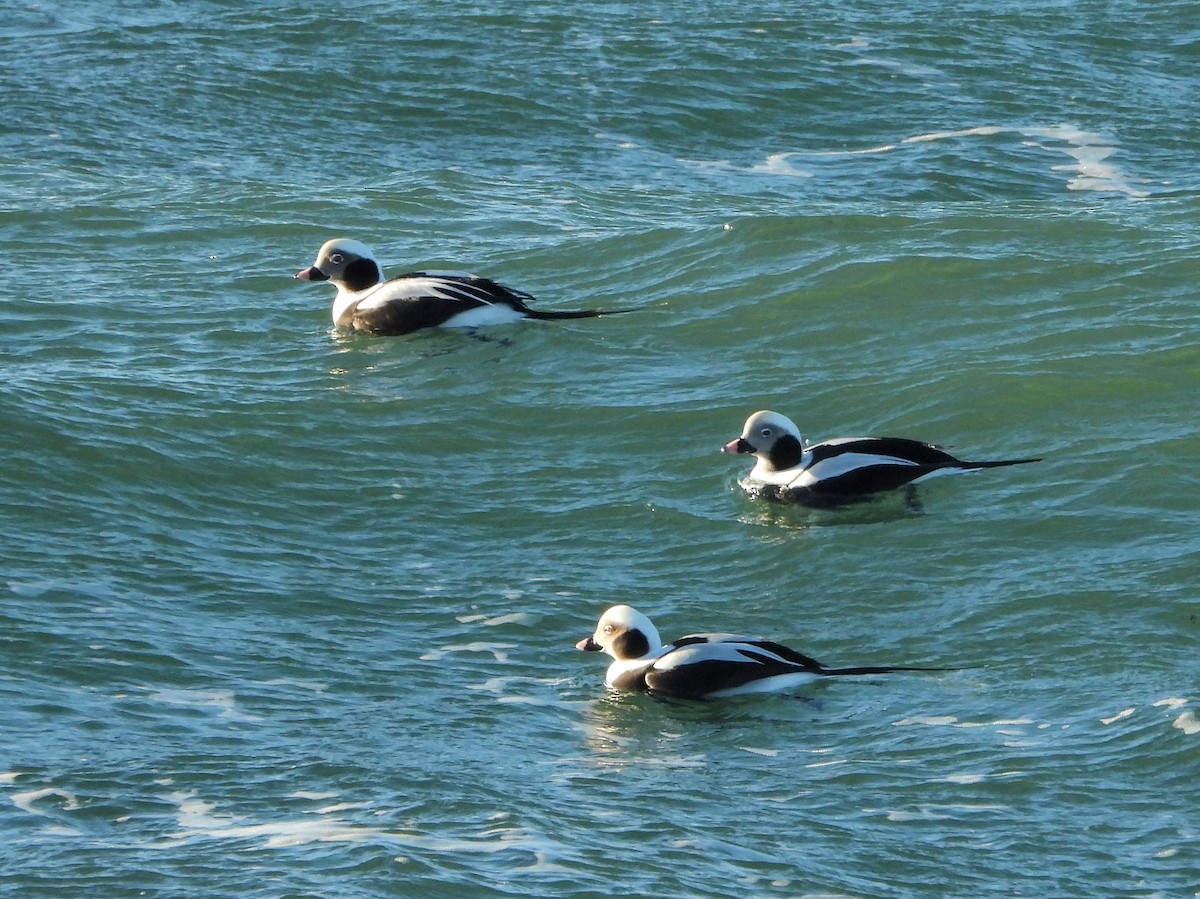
<point x="1088" y="149"/>
<point x="1090" y="167"/>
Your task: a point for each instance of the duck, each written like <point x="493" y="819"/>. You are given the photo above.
<point x="841" y="470"/>
<point x="365" y="301"/>
<point x="703" y="666"/>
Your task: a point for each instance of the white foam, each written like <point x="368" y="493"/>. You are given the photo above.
<point x="223" y="700"/>
<point x="341" y="807"/>
<point x="1173" y="702"/>
<point x="965" y="778"/>
<point x="1089" y="169"/>
<point x="33" y="589"/>
<point x="780" y="164"/>
<point x="923" y="815"/>
<point x="498" y="620"/>
<point x="1088" y="149"/>
<point x="1124" y="713"/>
<point x="984" y="131"/>
<point x="951" y="721"/>
<point x="1188" y="723"/>
<point x="198" y="819"/>
<point x="25" y="801"/>
<point x="769" y="753"/>
<point x="498" y="650"/>
<point x="312" y="686"/>
<point x="932" y="720"/>
<point x="942" y="812"/>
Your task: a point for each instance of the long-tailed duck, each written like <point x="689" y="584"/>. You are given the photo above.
<point x="702" y="666"/>
<point x="401" y="305"/>
<point x="846" y="469"/>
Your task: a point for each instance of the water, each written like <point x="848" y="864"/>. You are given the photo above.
<point x="289" y="613"/>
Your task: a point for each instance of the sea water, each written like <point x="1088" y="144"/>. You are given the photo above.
<point x="290" y="612"/>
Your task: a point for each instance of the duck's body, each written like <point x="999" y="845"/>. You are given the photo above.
<point x="702" y="666"/>
<point x="417" y="300"/>
<point x="846" y="469"/>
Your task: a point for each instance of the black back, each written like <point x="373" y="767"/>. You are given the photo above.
<point x="900" y="447"/>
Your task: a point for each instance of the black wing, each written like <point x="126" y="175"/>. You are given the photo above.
<point x="426" y="300"/>
<point x="913" y="451"/>
<point x="866" y="480"/>
<point x="403" y="316"/>
<point x="784" y="652"/>
<point x="476" y="291"/>
<point x="700" y="664"/>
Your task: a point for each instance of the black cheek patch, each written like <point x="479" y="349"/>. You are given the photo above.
<point x="631" y="645"/>
<point x="361" y="274"/>
<point x="786" y="453"/>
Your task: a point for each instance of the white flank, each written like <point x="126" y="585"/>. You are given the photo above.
<point x="498" y="314"/>
<point x="767" y="685"/>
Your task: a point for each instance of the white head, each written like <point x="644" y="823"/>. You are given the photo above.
<point x="348" y="264"/>
<point x="624" y="633"/>
<point x="773" y="439"/>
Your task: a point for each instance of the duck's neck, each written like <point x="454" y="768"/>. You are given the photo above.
<point x="630" y="674"/>
<point x="344" y="304"/>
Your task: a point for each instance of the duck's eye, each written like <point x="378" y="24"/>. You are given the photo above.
<point x="336" y="258"/>
<point x="765" y="432"/>
<point x="608" y="628"/>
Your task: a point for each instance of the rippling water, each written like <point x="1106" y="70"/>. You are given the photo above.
<point x="291" y="613"/>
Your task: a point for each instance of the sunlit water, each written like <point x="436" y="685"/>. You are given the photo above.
<point x="292" y="613"/>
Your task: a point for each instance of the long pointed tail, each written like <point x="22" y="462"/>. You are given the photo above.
<point x="580" y="313"/>
<point x="879" y="669"/>
<point x="999" y="463"/>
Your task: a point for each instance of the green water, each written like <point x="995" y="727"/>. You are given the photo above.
<point x="286" y="612"/>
